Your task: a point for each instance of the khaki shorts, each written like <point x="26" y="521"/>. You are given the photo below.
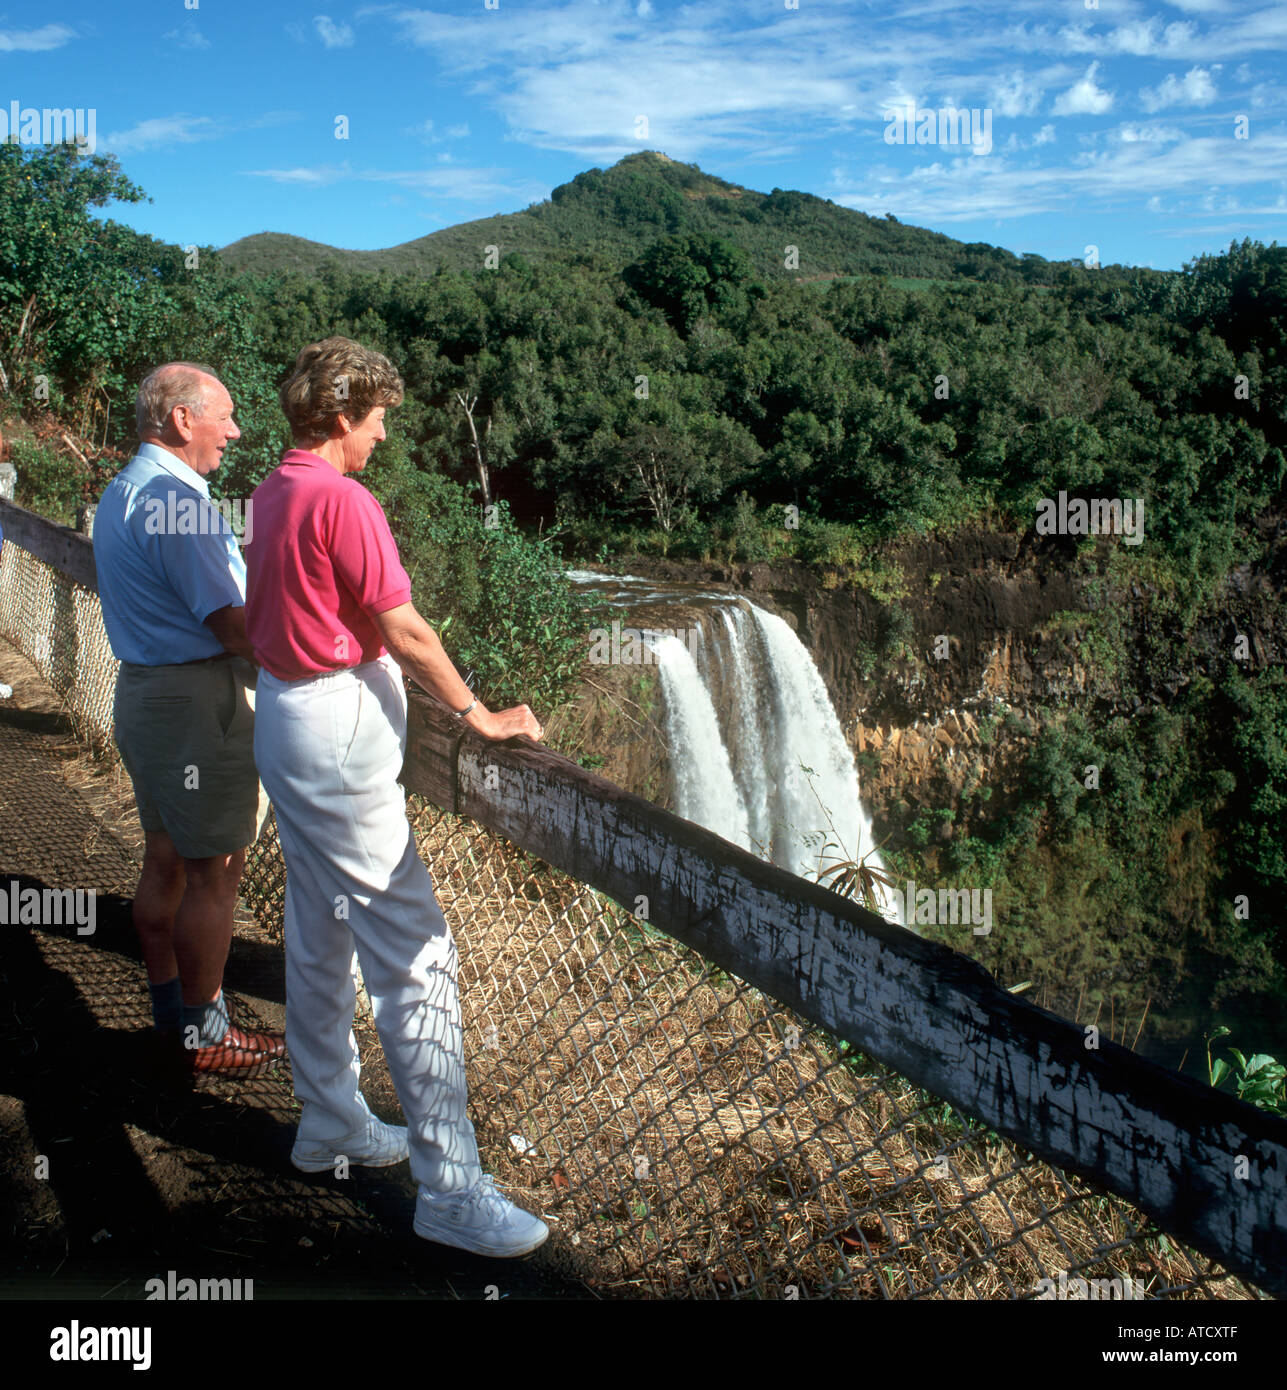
<point x="187" y="739"/>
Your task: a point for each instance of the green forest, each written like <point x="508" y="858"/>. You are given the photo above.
<point x="655" y="362"/>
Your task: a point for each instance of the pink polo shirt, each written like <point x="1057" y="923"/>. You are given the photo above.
<point x="320" y="561"/>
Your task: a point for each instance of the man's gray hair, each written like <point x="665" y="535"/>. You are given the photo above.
<point x="171" y="384"/>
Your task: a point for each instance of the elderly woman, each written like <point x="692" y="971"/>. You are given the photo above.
<point x="326" y="594"/>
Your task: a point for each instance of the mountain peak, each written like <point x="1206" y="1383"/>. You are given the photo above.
<point x="610" y="217"/>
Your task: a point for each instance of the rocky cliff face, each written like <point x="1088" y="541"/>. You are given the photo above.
<point x="978" y="626"/>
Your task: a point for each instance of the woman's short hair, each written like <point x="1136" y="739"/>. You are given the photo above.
<point x="167" y="386"/>
<point x="332" y="378"/>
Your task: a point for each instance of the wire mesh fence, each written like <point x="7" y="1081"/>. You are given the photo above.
<point x="686" y="1135"/>
<point x="58" y="625"/>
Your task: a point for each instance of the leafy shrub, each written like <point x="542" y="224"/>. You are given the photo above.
<point x="1259" y="1080"/>
<point x="497" y="599"/>
<point x="51" y="482"/>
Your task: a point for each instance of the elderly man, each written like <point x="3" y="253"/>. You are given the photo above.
<point x="172" y="584"/>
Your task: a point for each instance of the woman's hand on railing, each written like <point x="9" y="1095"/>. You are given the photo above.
<point x="505" y="723"/>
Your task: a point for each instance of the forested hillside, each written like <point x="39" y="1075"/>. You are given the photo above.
<point x="608" y="218"/>
<point x="638" y="374"/>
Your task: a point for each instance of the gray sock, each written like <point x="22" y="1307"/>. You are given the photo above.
<point x="210" y="1020"/>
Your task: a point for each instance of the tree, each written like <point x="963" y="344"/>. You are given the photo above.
<point x="685" y="276"/>
<point x="467" y="404"/>
<point x="62" y="269"/>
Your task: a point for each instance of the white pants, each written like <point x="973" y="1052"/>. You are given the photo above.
<point x="329" y="750"/>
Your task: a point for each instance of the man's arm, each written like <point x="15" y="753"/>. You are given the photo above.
<point x="416" y="648"/>
<point x="229" y="625"/>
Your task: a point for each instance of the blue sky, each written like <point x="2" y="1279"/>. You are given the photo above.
<point x="1113" y="124"/>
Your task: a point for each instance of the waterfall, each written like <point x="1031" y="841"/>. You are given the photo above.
<point x="706" y="790"/>
<point x="741" y="771"/>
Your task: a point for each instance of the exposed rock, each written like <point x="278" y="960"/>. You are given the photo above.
<point x="1016" y="614"/>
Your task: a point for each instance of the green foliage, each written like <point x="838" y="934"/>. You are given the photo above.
<point x="51" y="483"/>
<point x="497" y="599"/>
<point x="897" y="632"/>
<point x="686" y="276"/>
<point x="1259" y="1080"/>
<point x="656" y="394"/>
<point x="1258" y="729"/>
<point x="1116" y="859"/>
<point x="74" y="292"/>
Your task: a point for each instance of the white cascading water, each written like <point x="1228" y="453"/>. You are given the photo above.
<point x="705" y="789"/>
<point x="745" y="781"/>
<point x="748" y="731"/>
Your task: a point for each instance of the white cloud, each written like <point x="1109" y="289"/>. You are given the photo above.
<point x="1195" y="88"/>
<point x="162" y="130"/>
<point x="457" y="183"/>
<point x="1238" y="29"/>
<point x="192" y="39"/>
<point x="1084" y="98"/>
<point x="1150" y="134"/>
<point x="333" y="35"/>
<point x="186" y="130"/>
<point x="313" y="177"/>
<point x="1044" y="136"/>
<point x="1014" y="95"/>
<point x="426" y="131"/>
<point x="1182" y="172"/>
<point x="576" y="76"/>
<point x="35" y="40"/>
<point x="1139" y="38"/>
<point x="723" y="79"/>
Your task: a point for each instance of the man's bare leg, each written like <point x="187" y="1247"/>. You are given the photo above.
<point x="203" y="924"/>
<point x="202" y="935"/>
<point x="156" y="900"/>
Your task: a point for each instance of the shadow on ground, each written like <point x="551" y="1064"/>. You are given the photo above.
<point x="116" y="1169"/>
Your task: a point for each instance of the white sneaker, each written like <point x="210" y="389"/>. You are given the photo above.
<point x="380" y="1147"/>
<point x="481" y="1221"/>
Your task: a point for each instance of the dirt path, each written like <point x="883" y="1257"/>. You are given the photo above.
<point x="115" y="1174"/>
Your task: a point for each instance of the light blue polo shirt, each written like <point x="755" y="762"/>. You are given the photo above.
<point x="166" y="559"/>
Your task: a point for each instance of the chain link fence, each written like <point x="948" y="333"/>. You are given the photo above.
<point x="57" y="624"/>
<point x="685" y="1135"/>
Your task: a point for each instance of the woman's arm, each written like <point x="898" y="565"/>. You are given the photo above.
<point x="416" y="648"/>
